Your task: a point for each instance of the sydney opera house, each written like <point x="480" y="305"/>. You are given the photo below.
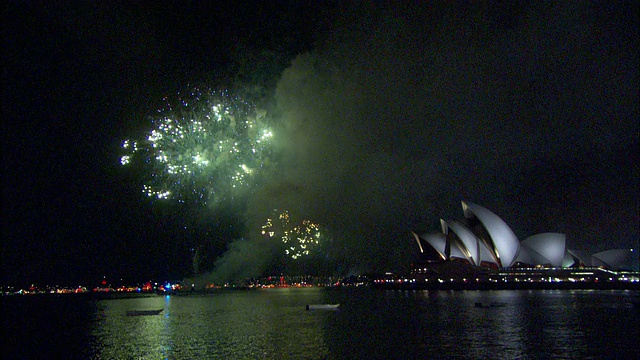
<point x="483" y="248"/>
<point x="486" y="240"/>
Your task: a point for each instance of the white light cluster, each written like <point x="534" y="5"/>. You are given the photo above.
<point x="210" y="145"/>
<point x="301" y="239"/>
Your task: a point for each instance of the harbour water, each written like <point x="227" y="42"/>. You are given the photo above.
<point x="370" y="324"/>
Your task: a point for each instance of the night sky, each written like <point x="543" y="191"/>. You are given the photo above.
<point x="386" y="117"/>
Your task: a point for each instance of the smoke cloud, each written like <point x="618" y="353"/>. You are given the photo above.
<point x="401" y="112"/>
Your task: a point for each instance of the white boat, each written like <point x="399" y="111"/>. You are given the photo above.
<point x="143" y="312"/>
<point x="323" y="307"/>
<point x="492" y="305"/>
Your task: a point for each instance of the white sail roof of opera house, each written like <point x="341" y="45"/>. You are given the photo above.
<point x="485" y="254"/>
<point x="579" y="256"/>
<point x="613" y="259"/>
<point x="418" y="241"/>
<point x="437" y="241"/>
<point x="505" y="241"/>
<point x="545" y="248"/>
<point x="486" y="240"/>
<point x="469" y="241"/>
<point x="524" y="257"/>
<point x="568" y="260"/>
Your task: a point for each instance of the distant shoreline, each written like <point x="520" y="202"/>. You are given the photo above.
<point x="375" y="287"/>
<point x="512" y="286"/>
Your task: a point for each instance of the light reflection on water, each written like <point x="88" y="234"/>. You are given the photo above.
<point x="371" y="324"/>
<point x="235" y="325"/>
<point x="530" y="325"/>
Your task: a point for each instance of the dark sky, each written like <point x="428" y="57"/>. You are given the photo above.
<point x="387" y="117"/>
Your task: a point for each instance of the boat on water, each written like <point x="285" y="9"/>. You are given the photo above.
<point x="492" y="305"/>
<point x="143" y="312"/>
<point x="323" y="307"/>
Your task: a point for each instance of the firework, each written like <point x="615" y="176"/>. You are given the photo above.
<point x="206" y="148"/>
<point x="300" y="239"/>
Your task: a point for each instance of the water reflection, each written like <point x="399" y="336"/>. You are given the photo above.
<point x="236" y="325"/>
<point x="531" y="324"/>
<point x="370" y="324"/>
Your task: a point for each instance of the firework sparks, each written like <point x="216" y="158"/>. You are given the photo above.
<point x="300" y="238"/>
<point x="207" y="148"/>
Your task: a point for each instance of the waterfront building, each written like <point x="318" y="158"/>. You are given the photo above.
<point x="485" y="240"/>
<point x="482" y="252"/>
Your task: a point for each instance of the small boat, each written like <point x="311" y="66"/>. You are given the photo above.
<point x="143" y="312"/>
<point x="323" y="307"/>
<point x="492" y="305"/>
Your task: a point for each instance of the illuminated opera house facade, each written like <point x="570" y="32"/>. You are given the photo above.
<point x="483" y="248"/>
